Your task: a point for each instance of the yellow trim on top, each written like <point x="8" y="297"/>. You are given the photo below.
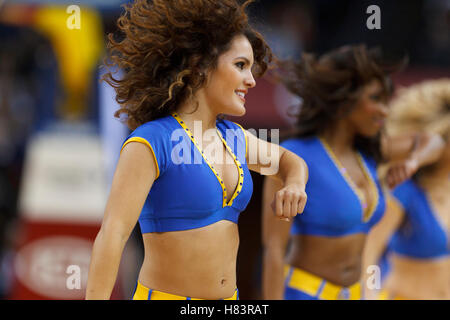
<point x="395" y="203"/>
<point x="366" y="212"/>
<point x="372" y="189"/>
<point x="239" y="167"/>
<point x="225" y="201"/>
<point x="191" y="136"/>
<point x="246" y="139"/>
<point x="144" y="141"/>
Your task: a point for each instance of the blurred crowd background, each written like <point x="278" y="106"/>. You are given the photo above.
<point x="59" y="140"/>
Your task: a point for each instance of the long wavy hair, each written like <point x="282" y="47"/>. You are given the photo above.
<point x="422" y="107"/>
<point x="166" y="48"/>
<point x="330" y="85"/>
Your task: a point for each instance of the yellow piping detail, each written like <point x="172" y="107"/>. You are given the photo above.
<point x="366" y="212"/>
<point x="144" y="141"/>
<point x="239" y="166"/>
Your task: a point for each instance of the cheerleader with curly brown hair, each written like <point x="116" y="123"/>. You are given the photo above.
<point x="183" y="173"/>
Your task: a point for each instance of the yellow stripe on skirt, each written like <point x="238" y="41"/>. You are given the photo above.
<point x="317" y="287"/>
<point x="144" y="293"/>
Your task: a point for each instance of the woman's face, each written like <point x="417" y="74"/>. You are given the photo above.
<point x="445" y="157"/>
<point x="371" y="110"/>
<point x="228" y="84"/>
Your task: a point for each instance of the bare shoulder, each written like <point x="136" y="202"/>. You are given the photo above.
<point x="133" y="179"/>
<point x="137" y="160"/>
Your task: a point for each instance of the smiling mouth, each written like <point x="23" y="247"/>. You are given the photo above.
<point x="241" y="95"/>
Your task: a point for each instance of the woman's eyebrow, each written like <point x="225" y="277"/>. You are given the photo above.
<point x="244" y="58"/>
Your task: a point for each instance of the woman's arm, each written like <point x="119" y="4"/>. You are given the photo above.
<point x="377" y="240"/>
<point x="275" y="237"/>
<point x="134" y="176"/>
<point x="408" y="153"/>
<point x="283" y="165"/>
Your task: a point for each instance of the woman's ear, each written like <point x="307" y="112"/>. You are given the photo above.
<point x="345" y="108"/>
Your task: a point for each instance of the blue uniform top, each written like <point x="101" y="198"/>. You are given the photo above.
<point x="334" y="206"/>
<point x="421" y="235"/>
<point x="188" y="193"/>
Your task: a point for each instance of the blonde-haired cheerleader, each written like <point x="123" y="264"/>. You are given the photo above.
<point x="417" y="221"/>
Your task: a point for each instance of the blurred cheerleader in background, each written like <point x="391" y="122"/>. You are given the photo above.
<point x="338" y="133"/>
<point x="418" y="217"/>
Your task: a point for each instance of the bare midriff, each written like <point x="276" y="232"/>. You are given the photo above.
<point x="422" y="279"/>
<point x="335" y="259"/>
<point x="196" y="263"/>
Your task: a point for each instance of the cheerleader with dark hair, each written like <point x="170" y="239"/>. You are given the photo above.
<point x="344" y="93"/>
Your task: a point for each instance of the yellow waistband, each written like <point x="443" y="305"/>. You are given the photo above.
<point x="144" y="293"/>
<point x="318" y="287"/>
<point x="386" y="295"/>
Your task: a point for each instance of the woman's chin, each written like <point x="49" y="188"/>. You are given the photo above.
<point x="236" y="110"/>
<point x="370" y="133"/>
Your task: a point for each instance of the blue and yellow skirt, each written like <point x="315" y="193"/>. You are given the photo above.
<point x="302" y="285"/>
<point x="143" y="293"/>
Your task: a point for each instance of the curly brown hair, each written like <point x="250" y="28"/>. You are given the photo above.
<point x="330" y="85"/>
<point x="167" y="48"/>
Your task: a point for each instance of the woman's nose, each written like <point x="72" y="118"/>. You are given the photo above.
<point x="250" y="81"/>
<point x="384" y="110"/>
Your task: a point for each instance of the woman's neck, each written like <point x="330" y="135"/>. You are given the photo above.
<point x="340" y="137"/>
<point x="197" y="115"/>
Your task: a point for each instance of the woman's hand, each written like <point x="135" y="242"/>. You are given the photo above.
<point x="289" y="201"/>
<point x="290" y="170"/>
<point x="408" y="153"/>
<point x="401" y="171"/>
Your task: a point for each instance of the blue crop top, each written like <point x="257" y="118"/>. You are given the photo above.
<point x="188" y="193"/>
<point x="421" y="234"/>
<point x="334" y="206"/>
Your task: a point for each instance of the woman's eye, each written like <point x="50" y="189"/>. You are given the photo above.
<point x="240" y="65"/>
<point x="375" y="97"/>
